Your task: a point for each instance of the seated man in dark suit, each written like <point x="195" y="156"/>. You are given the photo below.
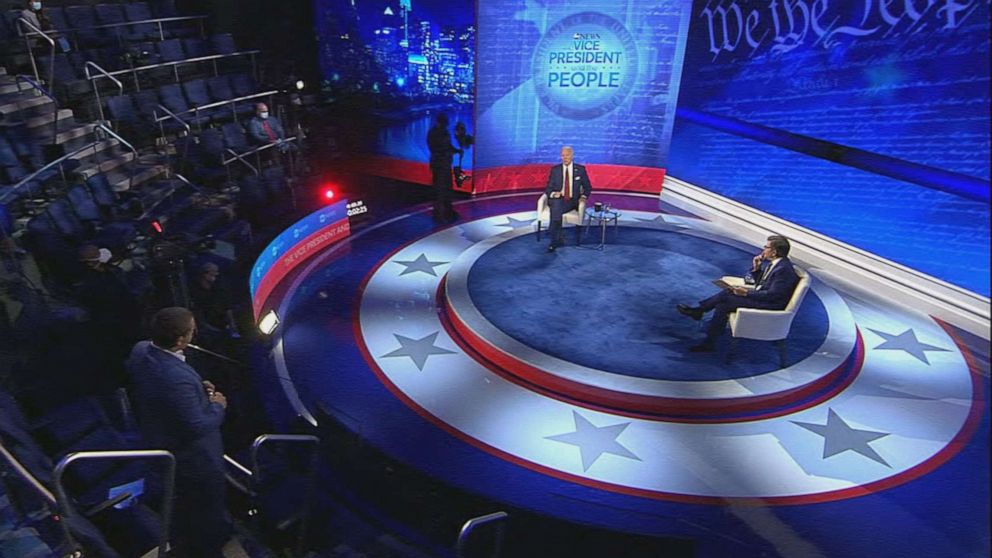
<point x="178" y="411"/>
<point x="568" y="183"/>
<point x="774" y="281"/>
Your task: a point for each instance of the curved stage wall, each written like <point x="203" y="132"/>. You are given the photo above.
<point x="306" y="238"/>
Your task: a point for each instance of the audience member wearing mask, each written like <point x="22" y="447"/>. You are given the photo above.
<point x="265" y="129"/>
<point x="35" y="15"/>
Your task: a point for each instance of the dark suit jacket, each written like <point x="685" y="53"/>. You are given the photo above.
<point x="580" y="181"/>
<point x="775" y="290"/>
<point x="174" y="412"/>
<point x="256" y="129"/>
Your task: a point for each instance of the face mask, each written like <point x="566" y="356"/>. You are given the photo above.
<point x="105" y="255"/>
<point x="36" y="6"/>
<point x="263" y="115"/>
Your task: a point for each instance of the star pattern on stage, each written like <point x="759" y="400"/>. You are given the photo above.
<point x="516" y="223"/>
<point x="593" y="441"/>
<point x="419" y="350"/>
<point x="906" y="341"/>
<point x="421" y="264"/>
<point x="663" y="221"/>
<point x="839" y="437"/>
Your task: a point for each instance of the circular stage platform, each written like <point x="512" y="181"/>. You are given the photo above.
<point x="561" y="382"/>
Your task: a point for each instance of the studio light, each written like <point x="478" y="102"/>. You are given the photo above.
<point x="299" y="85"/>
<point x="327" y="193"/>
<point x="268" y="323"/>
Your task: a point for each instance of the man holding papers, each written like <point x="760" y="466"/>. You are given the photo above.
<point x="769" y="285"/>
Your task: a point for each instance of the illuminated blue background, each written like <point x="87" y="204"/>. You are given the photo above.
<point x="877" y="135"/>
<point x="516" y="128"/>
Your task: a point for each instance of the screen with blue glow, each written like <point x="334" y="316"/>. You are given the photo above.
<point x="398" y="62"/>
<point x="599" y="75"/>
<point x="866" y="121"/>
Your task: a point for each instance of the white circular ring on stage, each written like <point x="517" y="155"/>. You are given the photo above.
<point x="830" y="356"/>
<point x="897" y="420"/>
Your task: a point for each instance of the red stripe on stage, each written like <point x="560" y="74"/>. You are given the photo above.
<point x="520" y="177"/>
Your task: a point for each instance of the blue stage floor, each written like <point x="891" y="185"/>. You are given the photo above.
<point x="560" y="383"/>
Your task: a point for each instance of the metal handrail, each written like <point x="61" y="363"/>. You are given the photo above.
<point x="26" y="475"/>
<point x="50" y="165"/>
<point x="27" y="41"/>
<point x="237" y="157"/>
<point x="238" y="466"/>
<point x="231" y="360"/>
<point x="169" y="114"/>
<point x="96" y="90"/>
<point x="311" y="474"/>
<point x="180" y="62"/>
<point x="235" y="100"/>
<point x="130" y="178"/>
<point x="65" y="505"/>
<point x="130" y="23"/>
<point x="256" y="150"/>
<point x="55" y="118"/>
<point x="475" y="522"/>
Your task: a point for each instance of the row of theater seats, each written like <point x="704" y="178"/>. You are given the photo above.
<point x="135" y="113"/>
<point x="81" y="22"/>
<point x="40" y="439"/>
<point x="69" y="70"/>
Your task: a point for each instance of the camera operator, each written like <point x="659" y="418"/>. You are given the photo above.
<point x="442" y="156"/>
<point x="114" y="312"/>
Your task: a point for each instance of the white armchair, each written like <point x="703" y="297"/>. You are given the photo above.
<point x="574" y="217"/>
<point x="767" y="325"/>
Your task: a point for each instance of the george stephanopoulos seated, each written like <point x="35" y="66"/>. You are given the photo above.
<point x="773" y="278"/>
<point x="568" y="184"/>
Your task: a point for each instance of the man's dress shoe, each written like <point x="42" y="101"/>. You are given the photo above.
<point x="551" y="248"/>
<point x="694" y="313"/>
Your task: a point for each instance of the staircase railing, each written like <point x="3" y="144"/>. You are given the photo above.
<point x="47" y="93"/>
<point x="499" y="518"/>
<point x="10" y="194"/>
<point x="96" y="89"/>
<point x="33" y="30"/>
<point x="106" y="130"/>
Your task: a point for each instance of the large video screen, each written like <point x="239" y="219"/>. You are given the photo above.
<point x="866" y="121"/>
<point x="599" y="75"/>
<point x="393" y="65"/>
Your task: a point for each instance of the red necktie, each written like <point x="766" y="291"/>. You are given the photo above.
<point x="268" y="130"/>
<point x="567" y="189"/>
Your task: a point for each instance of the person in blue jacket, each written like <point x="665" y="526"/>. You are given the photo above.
<point x="773" y="279"/>
<point x="178" y="411"/>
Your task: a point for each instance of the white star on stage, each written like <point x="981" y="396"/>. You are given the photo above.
<point x="418" y="349"/>
<point x="593" y="441"/>
<point x="838" y="437"/>
<point x="516" y="223"/>
<point x="421" y="264"/>
<point x="662" y="222"/>
<point x="906" y="341"/>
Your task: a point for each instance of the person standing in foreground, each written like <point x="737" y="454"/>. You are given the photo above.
<point x="178" y="411"/>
